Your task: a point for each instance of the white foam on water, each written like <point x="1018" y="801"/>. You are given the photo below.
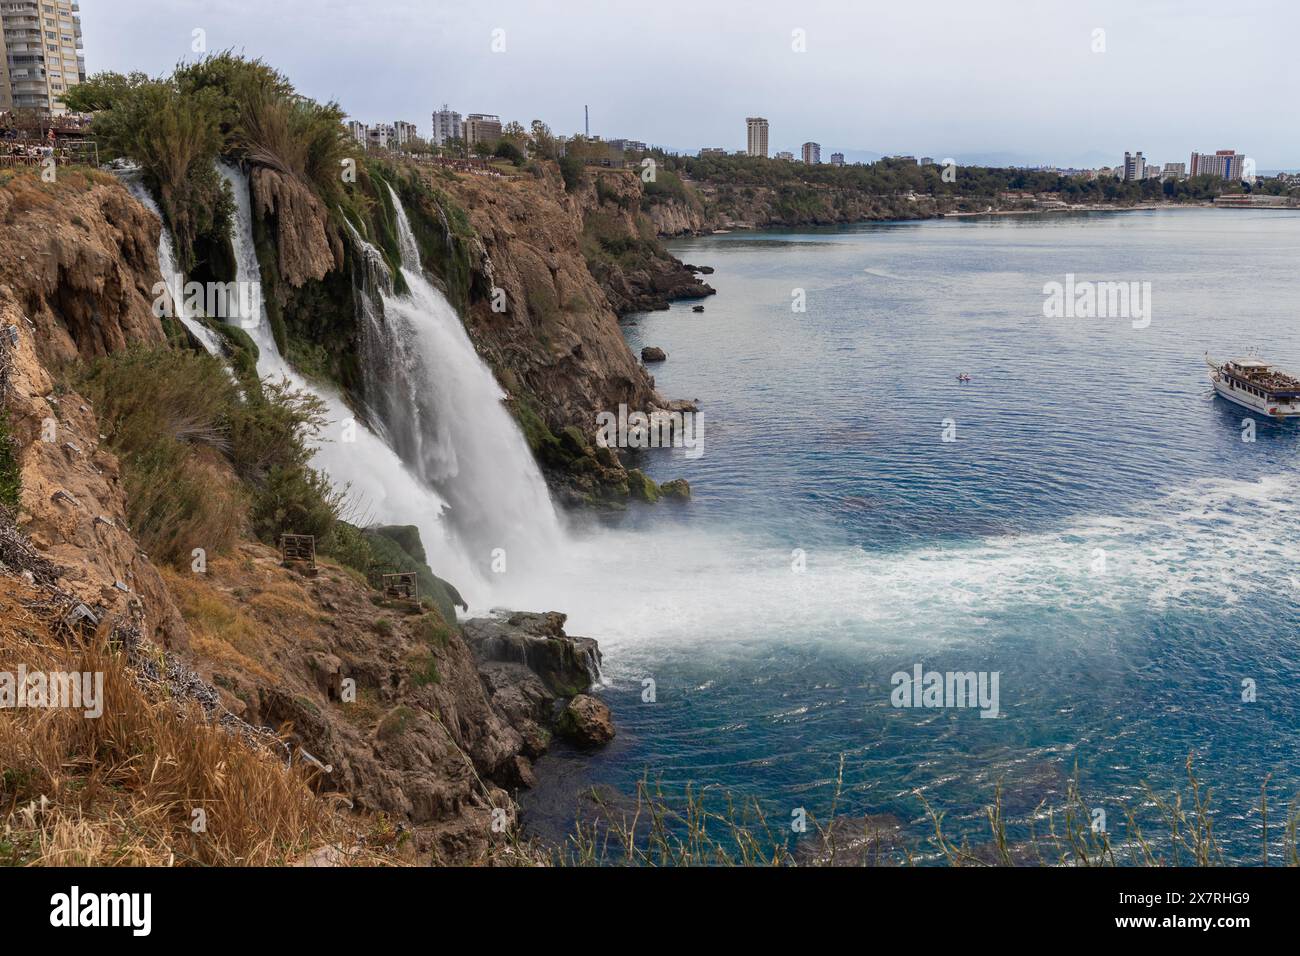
<point x="1210" y="545"/>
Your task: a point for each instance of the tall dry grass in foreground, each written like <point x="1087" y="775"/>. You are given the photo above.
<point x="704" y="829"/>
<point x="123" y="789"/>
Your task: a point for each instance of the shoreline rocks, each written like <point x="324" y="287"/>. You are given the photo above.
<point x="535" y="674"/>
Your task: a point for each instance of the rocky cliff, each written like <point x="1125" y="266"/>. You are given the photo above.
<point x="79" y="257"/>
<point x="707" y="207"/>
<point x="621" y="246"/>
<point x="531" y="268"/>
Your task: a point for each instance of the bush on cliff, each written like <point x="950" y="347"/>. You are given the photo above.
<point x="10" y="476"/>
<point x="174" y="136"/>
<point x="180" y="424"/>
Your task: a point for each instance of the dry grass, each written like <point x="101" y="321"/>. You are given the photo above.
<point x="701" y="829"/>
<point x="123" y="789"/>
<point x="220" y="631"/>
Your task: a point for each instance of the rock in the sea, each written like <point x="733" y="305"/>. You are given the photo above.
<point x="641" y="487"/>
<point x="537" y="642"/>
<point x="679" y="489"/>
<point x="586" y="721"/>
<point x="652" y="354"/>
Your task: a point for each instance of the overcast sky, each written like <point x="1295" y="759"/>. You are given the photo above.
<point x="1016" y="80"/>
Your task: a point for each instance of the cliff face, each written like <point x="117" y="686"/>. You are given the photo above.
<point x="79" y="257"/>
<point x="73" y="503"/>
<point x="622" y="248"/>
<point x="558" y="338"/>
<point x="714" y="206"/>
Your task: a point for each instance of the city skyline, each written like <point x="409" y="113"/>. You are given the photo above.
<point x="1037" y="88"/>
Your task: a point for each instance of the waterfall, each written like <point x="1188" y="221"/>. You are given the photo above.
<point x="443" y="412"/>
<point x="171" y="275"/>
<point x="381" y="488"/>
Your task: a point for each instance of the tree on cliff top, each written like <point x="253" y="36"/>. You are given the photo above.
<point x="172" y="135"/>
<point x="225" y="105"/>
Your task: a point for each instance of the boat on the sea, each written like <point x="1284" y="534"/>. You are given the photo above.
<point x="1257" y="385"/>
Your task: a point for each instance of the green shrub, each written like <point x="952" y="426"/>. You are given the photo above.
<point x="571" y="168"/>
<point x="10" y="476"/>
<point x="174" y="417"/>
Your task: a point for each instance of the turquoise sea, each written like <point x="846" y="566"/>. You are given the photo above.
<point x="1097" y="533"/>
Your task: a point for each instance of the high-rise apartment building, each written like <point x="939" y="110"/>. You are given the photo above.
<point x="812" y="153"/>
<point x="358" y="131"/>
<point x="837" y="159"/>
<point x="1225" y="164"/>
<point x="404" y="132"/>
<point x="1135" y="166"/>
<point x="446" y="125"/>
<point x="480" y="128"/>
<point x="41" y="55"/>
<point x="756" y="128"/>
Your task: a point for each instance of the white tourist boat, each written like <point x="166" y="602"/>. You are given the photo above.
<point x="1256" y="385"/>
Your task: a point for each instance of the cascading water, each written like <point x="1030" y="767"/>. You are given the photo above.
<point x="171" y="275"/>
<point x="382" y="489"/>
<point x="443" y="411"/>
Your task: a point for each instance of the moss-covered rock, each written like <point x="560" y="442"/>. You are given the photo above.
<point x="641" y="487"/>
<point x="678" y="489"/>
<point x="400" y="547"/>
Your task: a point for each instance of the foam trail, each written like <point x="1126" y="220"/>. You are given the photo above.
<point x="1210" y="545"/>
<point x="382" y="490"/>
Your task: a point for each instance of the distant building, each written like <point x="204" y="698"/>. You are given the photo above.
<point x="380" y="136"/>
<point x="358" y="131"/>
<point x="927" y="160"/>
<point x="756" y="128"/>
<point x="41" y="55"/>
<point x="785" y="155"/>
<point x="446" y="125"/>
<point x="1174" y="171"/>
<point x="1225" y="164"/>
<point x="812" y="153"/>
<point x="1135" y="166"/>
<point x="837" y="159"/>
<point x="628" y="146"/>
<point x="712" y="151"/>
<point x="907" y="159"/>
<point x="481" y="128"/>
<point x="403" y="133"/>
